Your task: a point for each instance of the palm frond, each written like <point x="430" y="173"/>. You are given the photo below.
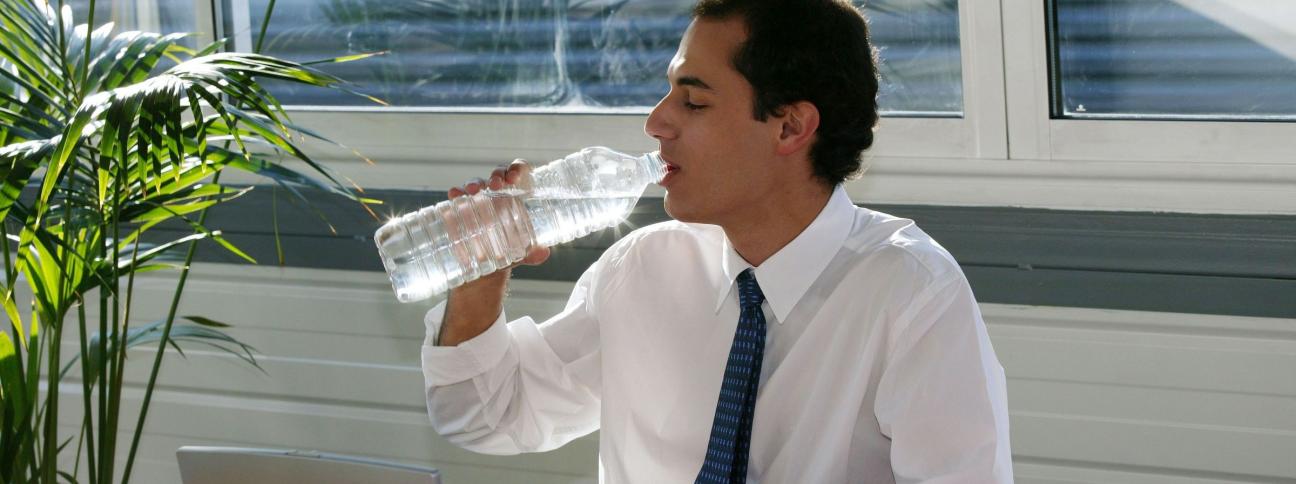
<point x="115" y="148"/>
<point x="202" y="331"/>
<point x="17" y="164"/>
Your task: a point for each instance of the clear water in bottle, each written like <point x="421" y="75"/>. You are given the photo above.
<point x="434" y="249"/>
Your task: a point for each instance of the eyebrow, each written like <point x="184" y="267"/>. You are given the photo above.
<point x="693" y="81"/>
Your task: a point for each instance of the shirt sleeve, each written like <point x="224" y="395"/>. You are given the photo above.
<point x="942" y="398"/>
<point x="519" y="386"/>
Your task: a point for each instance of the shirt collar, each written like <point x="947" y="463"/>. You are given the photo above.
<point x="786" y="275"/>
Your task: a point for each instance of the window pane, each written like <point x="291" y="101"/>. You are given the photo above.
<point x="918" y="43"/>
<point x="162" y="16"/>
<point x="535" y="53"/>
<point x="1211" y="59"/>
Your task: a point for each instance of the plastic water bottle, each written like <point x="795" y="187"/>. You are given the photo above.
<point x="434" y="249"/>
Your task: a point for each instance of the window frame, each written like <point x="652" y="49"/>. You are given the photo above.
<point x="1181" y="166"/>
<point x="1040" y="135"/>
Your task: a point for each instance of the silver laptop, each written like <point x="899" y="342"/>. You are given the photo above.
<point x="225" y="465"/>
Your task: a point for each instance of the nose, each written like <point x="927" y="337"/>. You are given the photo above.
<point x="657" y="125"/>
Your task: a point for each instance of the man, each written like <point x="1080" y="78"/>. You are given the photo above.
<point x="773" y="332"/>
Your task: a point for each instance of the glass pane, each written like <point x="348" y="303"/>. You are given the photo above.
<point x="921" y="66"/>
<point x="162" y="16"/>
<point x="588" y="55"/>
<point x="1210" y="59"/>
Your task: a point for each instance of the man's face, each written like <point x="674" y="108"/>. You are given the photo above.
<point x="719" y="155"/>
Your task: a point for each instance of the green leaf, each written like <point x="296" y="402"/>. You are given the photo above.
<point x="68" y="142"/>
<point x="13" y="390"/>
<point x="17" y="164"/>
<point x="346" y="58"/>
<point x="7" y="351"/>
<point x="207" y="322"/>
<point x="171" y="210"/>
<point x="202" y="333"/>
<point x="216" y="237"/>
<point x="15" y="318"/>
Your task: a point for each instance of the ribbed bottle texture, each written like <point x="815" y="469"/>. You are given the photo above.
<point x="434" y="249"/>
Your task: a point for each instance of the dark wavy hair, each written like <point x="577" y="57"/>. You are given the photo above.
<point x="816" y="51"/>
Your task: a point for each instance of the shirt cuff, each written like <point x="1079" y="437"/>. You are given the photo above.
<point x="446" y="365"/>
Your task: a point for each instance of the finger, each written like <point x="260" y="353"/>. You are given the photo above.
<point x="455" y="192"/>
<point x="474" y="185"/>
<point x="499" y="171"/>
<point x="536" y="256"/>
<point x="515" y="170"/>
<point x="496" y="181"/>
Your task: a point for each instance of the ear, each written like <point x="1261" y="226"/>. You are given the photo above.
<point x="799" y="122"/>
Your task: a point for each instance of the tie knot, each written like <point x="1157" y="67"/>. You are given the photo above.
<point x="749" y="292"/>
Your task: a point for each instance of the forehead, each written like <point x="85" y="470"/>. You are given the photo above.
<point x="707" y="49"/>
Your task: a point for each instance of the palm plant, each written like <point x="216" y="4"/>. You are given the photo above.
<point x="97" y="148"/>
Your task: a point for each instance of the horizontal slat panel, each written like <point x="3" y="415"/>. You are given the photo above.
<point x="309" y="336"/>
<point x="1222" y="410"/>
<point x="333" y="302"/>
<point x="1173" y="448"/>
<point x="1124" y="397"/>
<point x="1169" y="361"/>
<point x="1137" y="397"/>
<point x="1044" y="471"/>
<point x="305" y="381"/>
<point x="402" y="436"/>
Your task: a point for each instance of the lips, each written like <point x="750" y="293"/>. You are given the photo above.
<point x="671" y="170"/>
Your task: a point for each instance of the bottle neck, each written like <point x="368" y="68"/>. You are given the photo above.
<point x="654" y="166"/>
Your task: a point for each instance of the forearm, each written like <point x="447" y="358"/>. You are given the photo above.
<point x="473" y="307"/>
<point x="478" y="398"/>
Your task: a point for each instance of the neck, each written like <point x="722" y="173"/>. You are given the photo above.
<point x="783" y="214"/>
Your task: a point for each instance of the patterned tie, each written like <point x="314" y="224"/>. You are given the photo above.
<point x="726" y="457"/>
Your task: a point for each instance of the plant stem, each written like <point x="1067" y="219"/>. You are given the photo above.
<point x="162" y="344"/>
<point x="50" y="460"/>
<point x="33" y="394"/>
<point x="274" y="221"/>
<point x="82" y="88"/>
<point x="119" y="330"/>
<point x="102" y="376"/>
<point x="86" y="388"/>
<point x="50" y="457"/>
<point x="107" y="436"/>
<point x="125" y="329"/>
<point x="264" y="24"/>
<point x="24" y="404"/>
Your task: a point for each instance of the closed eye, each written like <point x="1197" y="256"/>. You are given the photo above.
<point x="693" y="107"/>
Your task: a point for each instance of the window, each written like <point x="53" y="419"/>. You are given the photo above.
<point x="918" y="46"/>
<point x="1174" y="59"/>
<point x="587" y="56"/>
<point x="165" y="16"/>
<point x="1140" y="144"/>
<point x="1090" y="104"/>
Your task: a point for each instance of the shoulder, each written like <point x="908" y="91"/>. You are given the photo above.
<point x="669" y="235"/>
<point x="880" y="243"/>
<point x="663" y="248"/>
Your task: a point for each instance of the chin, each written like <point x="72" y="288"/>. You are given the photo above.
<point x="679" y="212"/>
<point x="671" y="209"/>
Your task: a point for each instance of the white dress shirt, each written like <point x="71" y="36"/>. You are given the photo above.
<point x="877" y="369"/>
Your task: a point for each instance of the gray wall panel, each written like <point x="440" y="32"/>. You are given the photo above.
<point x="1207" y="264"/>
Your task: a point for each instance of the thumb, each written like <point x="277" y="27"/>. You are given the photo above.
<point x="536" y="256"/>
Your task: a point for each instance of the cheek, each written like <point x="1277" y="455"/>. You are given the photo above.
<point x="719" y="132"/>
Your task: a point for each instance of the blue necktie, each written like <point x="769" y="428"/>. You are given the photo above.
<point x="726" y="457"/>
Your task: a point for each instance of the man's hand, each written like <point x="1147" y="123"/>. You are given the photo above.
<point x="504" y="176"/>
<point x="473" y="307"/>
